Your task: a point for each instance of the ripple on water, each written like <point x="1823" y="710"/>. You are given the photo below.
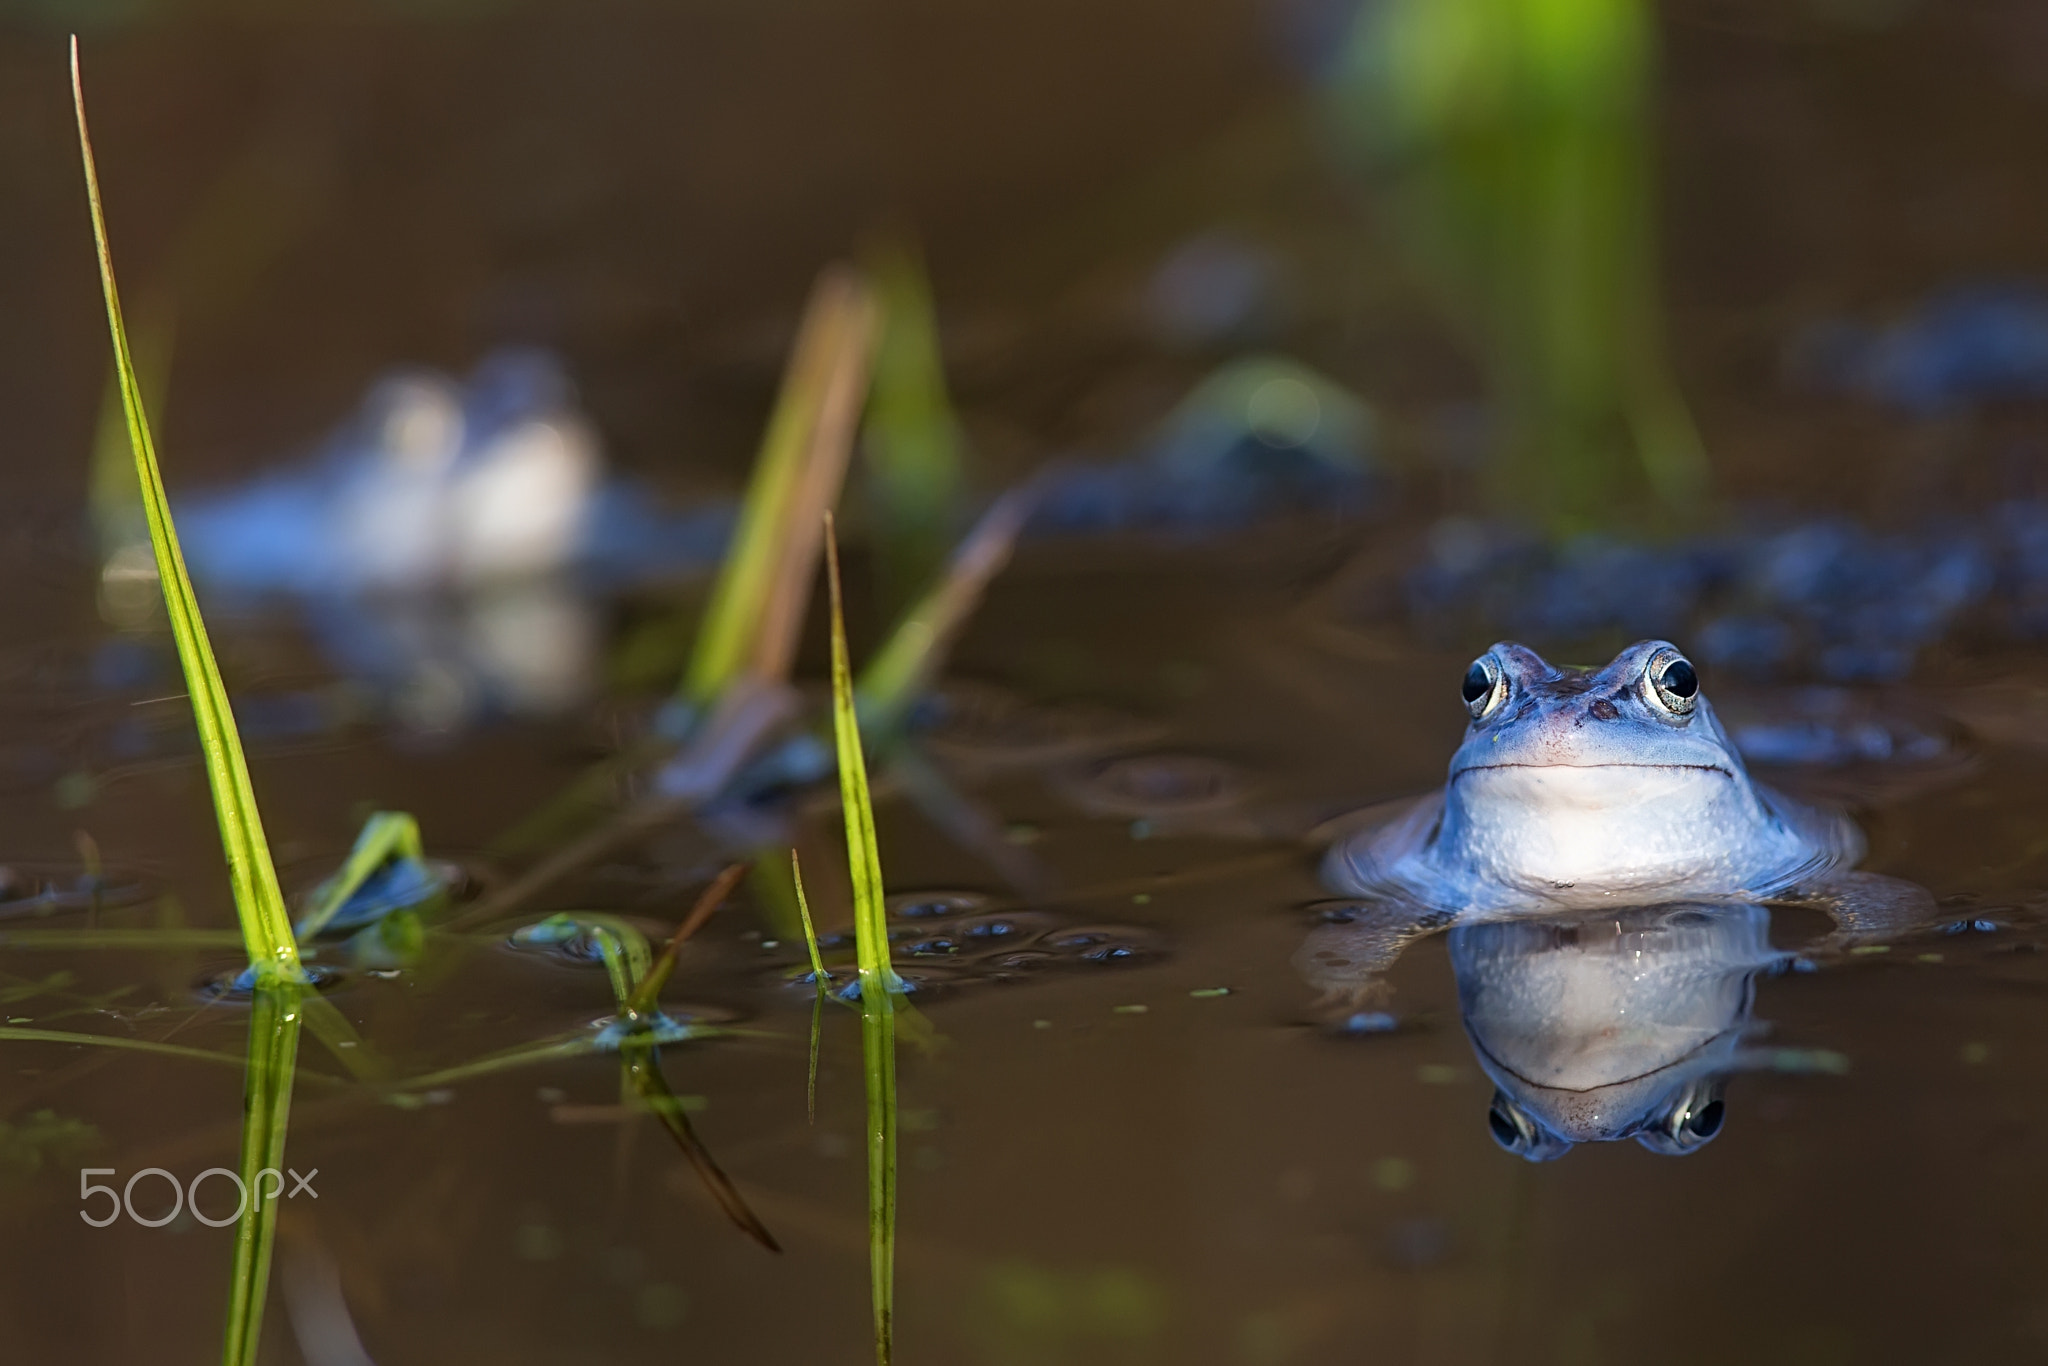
<point x="979" y="723"/>
<point x="1155" y="785"/>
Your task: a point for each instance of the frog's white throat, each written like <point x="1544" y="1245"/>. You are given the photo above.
<point x="1578" y="830"/>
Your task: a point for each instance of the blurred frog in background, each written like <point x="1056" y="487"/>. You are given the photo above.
<point x="448" y="543"/>
<point x="436" y="485"/>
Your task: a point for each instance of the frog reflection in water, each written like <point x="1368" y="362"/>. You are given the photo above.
<point x="1600" y="855"/>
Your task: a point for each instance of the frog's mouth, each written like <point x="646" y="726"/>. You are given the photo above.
<point x="1608" y="791"/>
<point x="1686" y="1059"/>
<point x="1608" y="1110"/>
<point x="1721" y="769"/>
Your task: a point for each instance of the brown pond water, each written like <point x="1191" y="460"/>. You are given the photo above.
<point x="1213" y="1178"/>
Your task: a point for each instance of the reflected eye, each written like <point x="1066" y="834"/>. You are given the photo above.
<point x="1519" y="1134"/>
<point x="1691" y="1124"/>
<point x="1674" y="685"/>
<point x="1484" y="686"/>
<point x="1705" y="1122"/>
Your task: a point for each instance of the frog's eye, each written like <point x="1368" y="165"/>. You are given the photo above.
<point x="1521" y="1135"/>
<point x="1485" y="685"/>
<point x="1691" y="1124"/>
<point x="1673" y="685"/>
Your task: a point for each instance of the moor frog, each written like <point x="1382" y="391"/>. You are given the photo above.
<point x="1602" y="858"/>
<point x="1578" y="787"/>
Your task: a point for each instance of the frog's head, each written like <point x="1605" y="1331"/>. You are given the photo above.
<point x="1620" y="1025"/>
<point x="1607" y="780"/>
<point x="1643" y="711"/>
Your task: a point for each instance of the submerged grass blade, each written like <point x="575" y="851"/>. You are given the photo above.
<point x="520" y="1055"/>
<point x="756" y="606"/>
<point x="144" y="940"/>
<point x="637" y="980"/>
<point x="340" y="1038"/>
<point x="19" y="1034"/>
<point x="274" y="1022"/>
<point x="643" y="1072"/>
<point x="877" y="977"/>
<point x="266" y="928"/>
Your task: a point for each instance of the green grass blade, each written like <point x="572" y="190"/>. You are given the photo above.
<point x="626" y="959"/>
<point x="266" y="928"/>
<point x="385" y="836"/>
<point x="756" y="605"/>
<point x="274" y="1020"/>
<point x="130" y="593"/>
<point x="276" y="1012"/>
<point x="818" y="979"/>
<point x="751" y="625"/>
<point x="646" y="995"/>
<point x="877" y="977"/>
<point x="803" y="909"/>
<point x="900" y="671"/>
<point x="910" y="444"/>
<point x="863" y="852"/>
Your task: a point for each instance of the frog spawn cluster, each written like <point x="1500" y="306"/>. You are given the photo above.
<point x="942" y="941"/>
